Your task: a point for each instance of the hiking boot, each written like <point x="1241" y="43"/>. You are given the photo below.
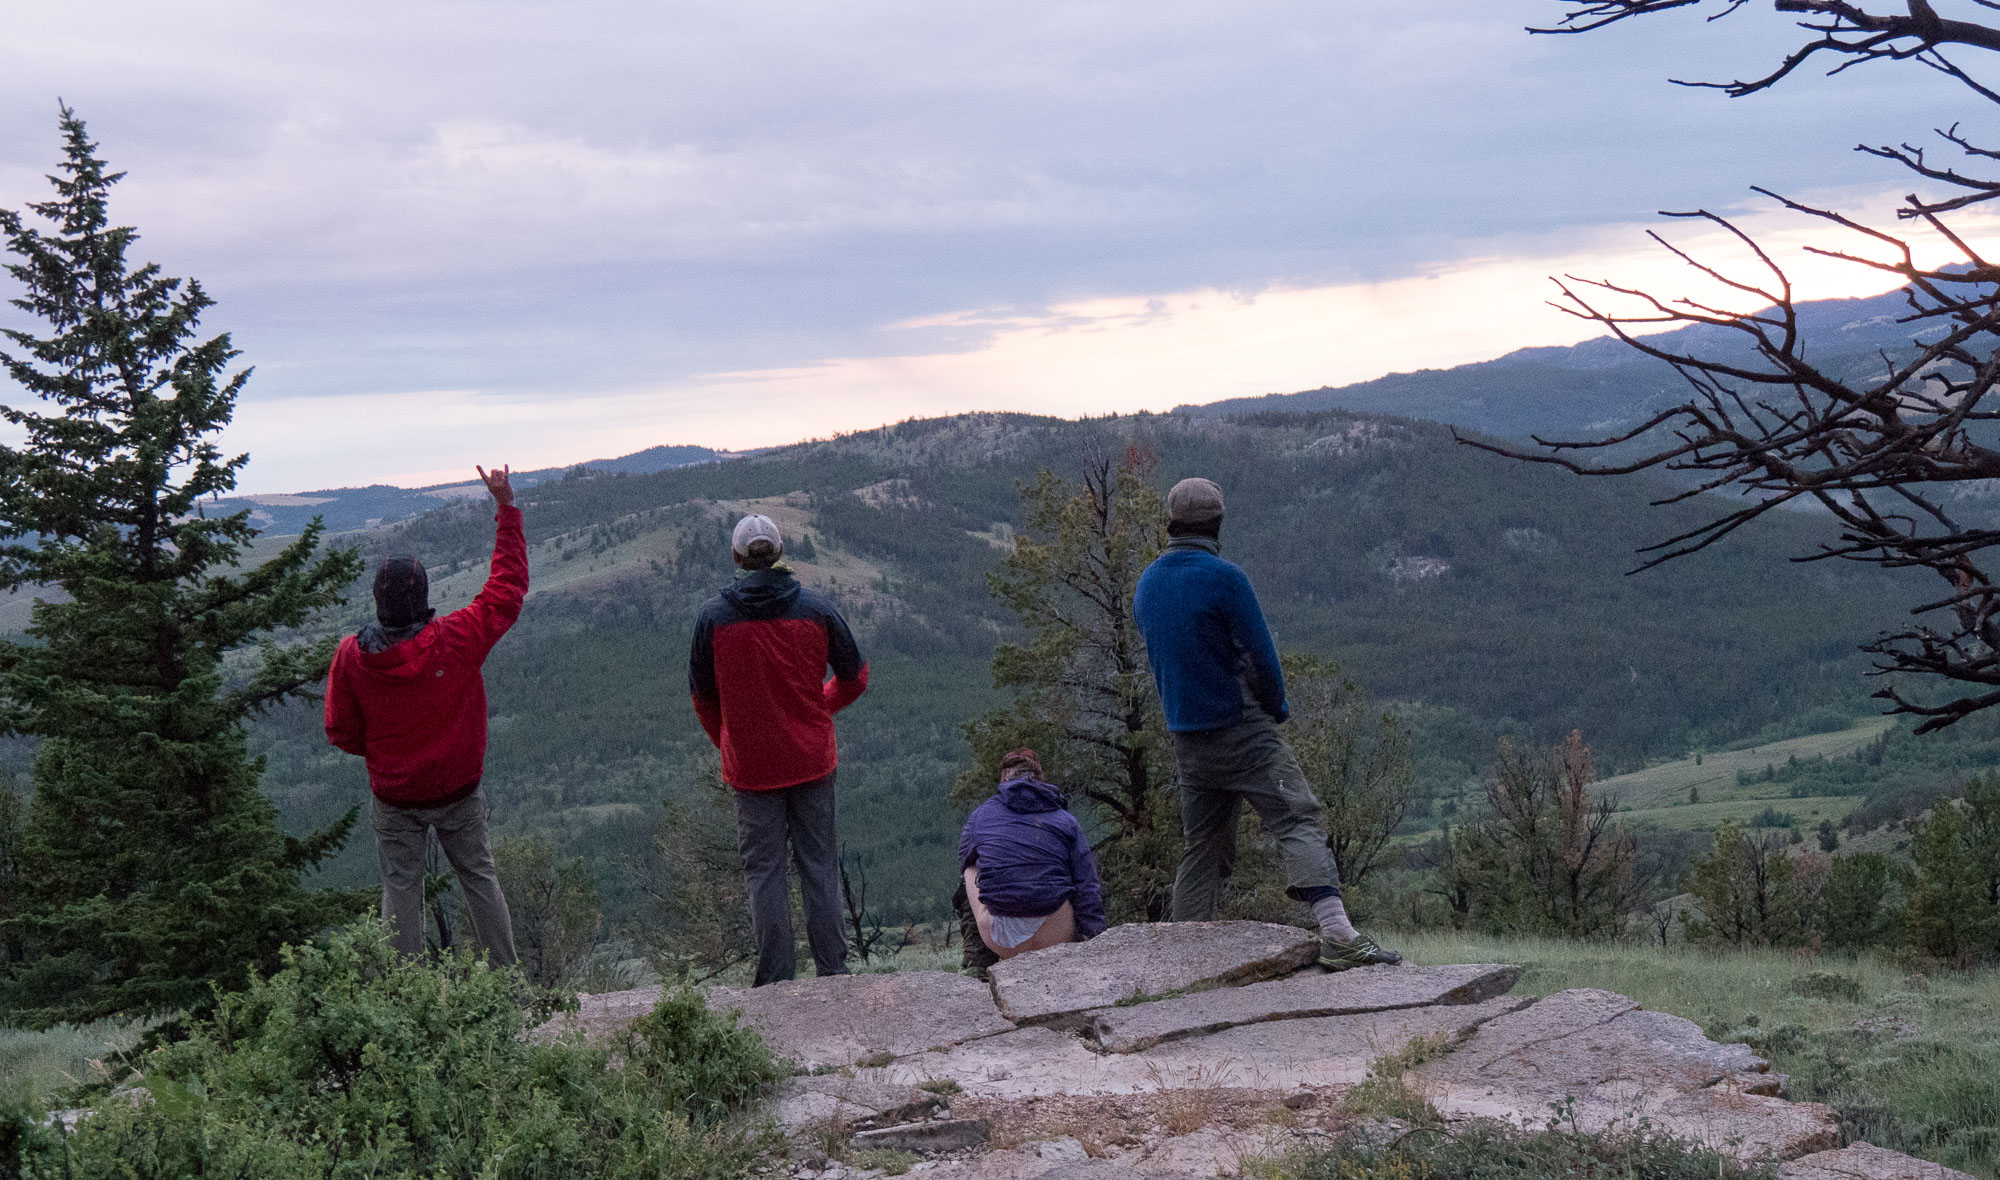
<point x="1362" y="952"/>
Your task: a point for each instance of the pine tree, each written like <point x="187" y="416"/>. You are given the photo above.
<point x="1855" y="907"/>
<point x="150" y="865"/>
<point x="1083" y="693"/>
<point x="1749" y="893"/>
<point x="1547" y="858"/>
<point x="1949" y="917"/>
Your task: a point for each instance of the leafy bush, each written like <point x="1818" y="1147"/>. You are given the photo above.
<point x="1493" y="1151"/>
<point x="1826" y="985"/>
<point x="351" y="1061"/>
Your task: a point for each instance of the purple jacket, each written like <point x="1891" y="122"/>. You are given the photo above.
<point x="1032" y="856"/>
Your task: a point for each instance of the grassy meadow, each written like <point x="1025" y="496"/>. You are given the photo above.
<point x="1910" y="1060"/>
<point x="1714" y="776"/>
<point x="64" y="1057"/>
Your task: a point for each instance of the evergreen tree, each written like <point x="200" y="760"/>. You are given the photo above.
<point x="150" y="865"/>
<point x="1949" y="916"/>
<point x="1854" y="907"/>
<point x="1359" y="765"/>
<point x="1547" y="858"/>
<point x="1083" y="693"/>
<point x="1748" y="893"/>
<point x="1982" y="833"/>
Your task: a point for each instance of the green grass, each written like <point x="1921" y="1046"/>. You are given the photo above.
<point x="1668" y="783"/>
<point x="1910" y="1060"/>
<point x="1492" y="1151"/>
<point x="1706" y="817"/>
<point x="44" y="1063"/>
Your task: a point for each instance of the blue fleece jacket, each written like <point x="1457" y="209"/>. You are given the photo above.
<point x="1032" y="856"/>
<point x="1206" y="638"/>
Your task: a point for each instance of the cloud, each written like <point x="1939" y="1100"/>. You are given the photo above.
<point x="523" y="201"/>
<point x="1115" y="354"/>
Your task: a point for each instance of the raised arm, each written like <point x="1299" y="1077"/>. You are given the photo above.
<point x="498" y="604"/>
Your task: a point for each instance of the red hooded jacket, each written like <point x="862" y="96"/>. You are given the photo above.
<point x="757" y="671"/>
<point x="417" y="711"/>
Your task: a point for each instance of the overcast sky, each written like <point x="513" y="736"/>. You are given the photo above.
<point x="448" y="233"/>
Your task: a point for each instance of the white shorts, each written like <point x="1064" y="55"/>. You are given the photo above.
<point x="1012" y="932"/>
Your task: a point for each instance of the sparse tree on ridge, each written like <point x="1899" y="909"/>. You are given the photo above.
<point x="1358" y="765"/>
<point x="1769" y="422"/>
<point x="1083" y="692"/>
<point x="1547" y="859"/>
<point x="150" y="864"/>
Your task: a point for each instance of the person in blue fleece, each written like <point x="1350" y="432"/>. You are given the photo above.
<point x="1223" y="693"/>
<point x="1029" y="879"/>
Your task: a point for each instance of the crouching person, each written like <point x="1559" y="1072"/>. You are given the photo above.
<point x="1029" y="880"/>
<point x="407" y="694"/>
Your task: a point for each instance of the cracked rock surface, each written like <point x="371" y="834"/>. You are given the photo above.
<point x="1865" y="1161"/>
<point x="1146" y="959"/>
<point x="1163" y="1050"/>
<point x="1308" y="994"/>
<point x="1606" y="1062"/>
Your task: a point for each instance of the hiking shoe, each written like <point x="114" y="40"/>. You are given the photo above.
<point x="1362" y="952"/>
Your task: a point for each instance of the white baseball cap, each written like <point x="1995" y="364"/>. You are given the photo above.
<point x="753" y="528"/>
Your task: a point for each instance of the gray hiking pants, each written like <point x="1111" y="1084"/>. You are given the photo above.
<point x="1248" y="762"/>
<point x="461" y="831"/>
<point x="805" y="817"/>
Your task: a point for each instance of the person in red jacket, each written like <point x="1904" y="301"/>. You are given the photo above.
<point x="758" y="673"/>
<point x="406" y="693"/>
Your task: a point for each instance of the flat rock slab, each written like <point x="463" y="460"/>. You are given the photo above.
<point x="1615" y="1064"/>
<point x="1038" y="1061"/>
<point x="1308" y="994"/>
<point x="600" y="1017"/>
<point x="847" y="1102"/>
<point x="929" y="1138"/>
<point x="1143" y="960"/>
<point x="840" y="1020"/>
<point x="1865" y="1161"/>
<point x="1314" y="1051"/>
<point x="1025" y="1164"/>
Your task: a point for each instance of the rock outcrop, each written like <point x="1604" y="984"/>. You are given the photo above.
<point x="1599" y="1060"/>
<point x="1180" y="1050"/>
<point x="1349" y="993"/>
<point x="865" y="1019"/>
<point x="1864" y="1161"/>
<point x="1146" y="960"/>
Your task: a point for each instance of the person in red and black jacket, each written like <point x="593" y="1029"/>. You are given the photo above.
<point x="758" y="673"/>
<point x="407" y="694"/>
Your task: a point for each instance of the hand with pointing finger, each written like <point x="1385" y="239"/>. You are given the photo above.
<point x="500" y="483"/>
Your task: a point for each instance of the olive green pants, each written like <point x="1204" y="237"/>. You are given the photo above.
<point x="1221" y="769"/>
<point x="402" y="840"/>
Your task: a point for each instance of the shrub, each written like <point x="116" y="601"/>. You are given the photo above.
<point x="1826" y="985"/>
<point x="1494" y="1151"/>
<point x="351" y="1061"/>
<point x="1854" y="908"/>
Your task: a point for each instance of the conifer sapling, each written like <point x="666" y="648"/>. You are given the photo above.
<point x="150" y="865"/>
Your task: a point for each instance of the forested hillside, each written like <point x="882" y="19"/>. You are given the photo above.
<point x="1485" y="596"/>
<point x="1601" y="385"/>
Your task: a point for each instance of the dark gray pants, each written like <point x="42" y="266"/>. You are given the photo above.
<point x="765" y="820"/>
<point x="401" y="843"/>
<point x="1219" y="769"/>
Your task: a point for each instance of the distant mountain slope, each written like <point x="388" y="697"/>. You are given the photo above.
<point x="1488" y="595"/>
<point x="348" y="509"/>
<point x="1596" y="387"/>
